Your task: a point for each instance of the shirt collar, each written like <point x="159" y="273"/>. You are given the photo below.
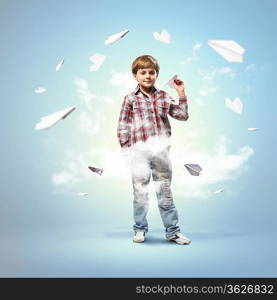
<point x="137" y="89"/>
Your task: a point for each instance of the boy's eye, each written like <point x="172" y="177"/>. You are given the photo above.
<point x="151" y="73"/>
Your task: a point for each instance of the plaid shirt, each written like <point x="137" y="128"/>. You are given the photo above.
<point x="142" y="116"/>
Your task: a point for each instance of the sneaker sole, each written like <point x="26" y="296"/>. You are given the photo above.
<point x="187" y="243"/>
<point x="138" y="241"/>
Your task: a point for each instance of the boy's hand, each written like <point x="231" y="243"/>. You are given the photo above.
<point x="179" y="87"/>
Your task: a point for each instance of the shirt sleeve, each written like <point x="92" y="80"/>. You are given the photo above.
<point x="178" y="111"/>
<point x="123" y="128"/>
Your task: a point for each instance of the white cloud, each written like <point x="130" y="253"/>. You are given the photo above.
<point x="83" y="91"/>
<point x="208" y="91"/>
<point x="193" y="56"/>
<point x="73" y="170"/>
<point x="124" y="81"/>
<point x="197" y="46"/>
<point x="114" y="164"/>
<point x="105" y="99"/>
<point x="224" y="70"/>
<point x="63" y="177"/>
<point x="250" y="68"/>
<point x="218" y="166"/>
<point x="85" y="94"/>
<point x="209" y="76"/>
<point x="90" y="124"/>
<point x="204" y="92"/>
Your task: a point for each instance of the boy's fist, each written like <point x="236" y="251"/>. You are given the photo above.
<point x="179" y="87"/>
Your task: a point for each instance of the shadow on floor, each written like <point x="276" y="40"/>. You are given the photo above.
<point x="150" y="239"/>
<point x="158" y="237"/>
<point x="214" y="235"/>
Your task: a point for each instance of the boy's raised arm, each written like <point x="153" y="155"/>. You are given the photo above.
<point x="123" y="128"/>
<point x="179" y="111"/>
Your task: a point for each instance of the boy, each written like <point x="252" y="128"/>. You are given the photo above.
<point x="144" y="131"/>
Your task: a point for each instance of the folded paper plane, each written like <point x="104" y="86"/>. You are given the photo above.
<point x="96" y="170"/>
<point x="194" y="169"/>
<point x="113" y="38"/>
<point x="50" y="120"/>
<point x="171" y="81"/>
<point x="40" y="90"/>
<point x="164" y="36"/>
<point x="228" y="49"/>
<point x="59" y="65"/>
<point x="82" y="194"/>
<point x="218" y="191"/>
<point x="252" y="129"/>
<point x="235" y="105"/>
<point x="98" y="60"/>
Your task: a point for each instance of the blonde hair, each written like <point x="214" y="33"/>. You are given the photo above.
<point x="145" y="61"/>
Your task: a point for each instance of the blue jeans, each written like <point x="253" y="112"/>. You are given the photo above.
<point x="145" y="163"/>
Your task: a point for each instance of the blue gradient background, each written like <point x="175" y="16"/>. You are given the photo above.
<point x="48" y="232"/>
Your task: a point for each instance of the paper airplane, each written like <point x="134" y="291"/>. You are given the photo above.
<point x="113" y="38"/>
<point x="50" y="120"/>
<point x="96" y="170"/>
<point x="82" y="194"/>
<point x="171" y="81"/>
<point x="40" y="90"/>
<point x="252" y="129"/>
<point x="59" y="65"/>
<point x="164" y="36"/>
<point x="229" y="49"/>
<point x="98" y="60"/>
<point x="194" y="169"/>
<point x="235" y="105"/>
<point x="218" y="191"/>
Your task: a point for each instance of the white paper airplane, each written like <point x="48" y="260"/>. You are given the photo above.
<point x="98" y="60"/>
<point x="235" y="105"/>
<point x="96" y="170"/>
<point x="194" y="169"/>
<point x="229" y="49"/>
<point x="252" y="129"/>
<point x="218" y="191"/>
<point x="171" y="81"/>
<point x="59" y="65"/>
<point x="164" y="36"/>
<point x="113" y="38"/>
<point x="82" y="194"/>
<point x="50" y="120"/>
<point x="40" y="90"/>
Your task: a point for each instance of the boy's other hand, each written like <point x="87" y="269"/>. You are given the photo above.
<point x="179" y="87"/>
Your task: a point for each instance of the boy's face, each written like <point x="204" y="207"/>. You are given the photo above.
<point x="146" y="77"/>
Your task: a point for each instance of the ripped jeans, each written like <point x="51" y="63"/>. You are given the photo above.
<point x="145" y="163"/>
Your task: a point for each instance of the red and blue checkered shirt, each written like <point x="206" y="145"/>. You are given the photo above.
<point x="142" y="117"/>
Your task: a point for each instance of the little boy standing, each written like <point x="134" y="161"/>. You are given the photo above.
<point x="144" y="131"/>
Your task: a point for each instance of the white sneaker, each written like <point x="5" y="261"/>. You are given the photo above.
<point x="139" y="237"/>
<point x="179" y="239"/>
